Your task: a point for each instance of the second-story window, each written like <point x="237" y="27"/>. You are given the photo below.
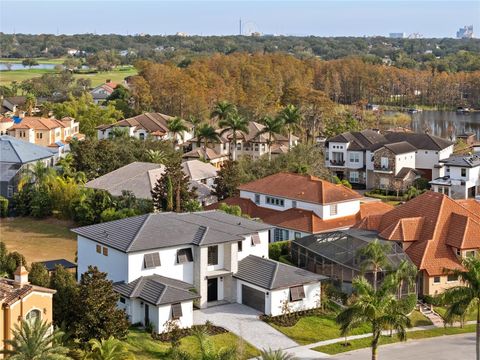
<point x="151" y="260"/>
<point x="294" y="203"/>
<point x="213" y="255"/>
<point x="184" y="256"/>
<point x="333" y="209"/>
<point x="384" y="162"/>
<point x="354" y="157"/>
<point x="257" y="198"/>
<point x="240" y="246"/>
<point x="463" y="172"/>
<point x="274" y="201"/>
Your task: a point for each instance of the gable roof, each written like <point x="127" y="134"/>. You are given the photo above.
<point x="435" y="225"/>
<point x="151" y="122"/>
<point x="137" y="177"/>
<point x="51" y="264"/>
<point x="13" y="150"/>
<point x="301" y="187"/>
<point x="401" y="147"/>
<point x="38" y="123"/>
<point x="198" y="170"/>
<point x="207" y="154"/>
<point x="470" y="161"/>
<point x="156" y="290"/>
<point x="271" y="275"/>
<point x="161" y="230"/>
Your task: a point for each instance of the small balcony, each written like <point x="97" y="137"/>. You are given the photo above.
<point x="337" y="162"/>
<point x="382" y="169"/>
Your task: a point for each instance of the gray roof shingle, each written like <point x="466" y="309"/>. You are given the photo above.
<point x="157" y="290"/>
<point x="271" y="275"/>
<point x="463" y="160"/>
<point x="17" y="151"/>
<point x="160" y="230"/>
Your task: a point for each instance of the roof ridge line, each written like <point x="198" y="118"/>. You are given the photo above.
<point x="274" y="273"/>
<point x="138" y="232"/>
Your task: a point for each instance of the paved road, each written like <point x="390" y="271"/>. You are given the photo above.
<point x="453" y="347"/>
<point x="243" y="321"/>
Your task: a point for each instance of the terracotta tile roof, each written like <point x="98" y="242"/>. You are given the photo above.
<point x="302" y="220"/>
<point x="301" y="187"/>
<point x="38" y="123"/>
<point x="10" y="293"/>
<point x="436" y="225"/>
<point x="4" y="119"/>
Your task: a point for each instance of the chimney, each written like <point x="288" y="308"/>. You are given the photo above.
<point x="20" y="276"/>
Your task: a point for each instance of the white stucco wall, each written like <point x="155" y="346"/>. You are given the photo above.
<point x="260" y="250"/>
<point x="406" y="160"/>
<point x="352" y="164"/>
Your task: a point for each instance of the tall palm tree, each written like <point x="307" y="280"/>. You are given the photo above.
<point x="178" y="128"/>
<point x="373" y="257"/>
<point x="291" y="117"/>
<point x="39" y="175"/>
<point x="272" y="127"/>
<point x="35" y="340"/>
<point x="234" y="123"/>
<point x="109" y="349"/>
<point x="462" y="299"/>
<point x="196" y="122"/>
<point x="207" y="134"/>
<point x="222" y="109"/>
<point x="406" y="273"/>
<point x="379" y="308"/>
<point x="276" y="355"/>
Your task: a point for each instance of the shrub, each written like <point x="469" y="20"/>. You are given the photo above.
<point x="285" y="259"/>
<point x="3" y="207"/>
<point x="41" y="205"/>
<point x="277" y="249"/>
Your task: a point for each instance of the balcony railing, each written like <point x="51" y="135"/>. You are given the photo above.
<point x="337" y="162"/>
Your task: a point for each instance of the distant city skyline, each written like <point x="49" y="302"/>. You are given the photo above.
<point x="300" y="18"/>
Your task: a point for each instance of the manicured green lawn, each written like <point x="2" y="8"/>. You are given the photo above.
<point x="6" y="77"/>
<point x="418" y="319"/>
<point x="144" y="347"/>
<point x="414" y="335"/>
<point x="39" y="240"/>
<point x="471" y="316"/>
<point x="39" y="60"/>
<point x="310" y="329"/>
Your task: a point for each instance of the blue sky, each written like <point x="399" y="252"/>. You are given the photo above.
<point x="324" y="18"/>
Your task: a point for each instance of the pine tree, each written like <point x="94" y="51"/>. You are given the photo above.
<point x="227" y="181"/>
<point x="98" y="315"/>
<point x="175" y="199"/>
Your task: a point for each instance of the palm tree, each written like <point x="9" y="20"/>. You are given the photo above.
<point x="207" y="134"/>
<point x="222" y="109"/>
<point x="156" y="156"/>
<point x="35" y="340"/>
<point x="39" y="175"/>
<point x="110" y="349"/>
<point x="234" y="123"/>
<point x="379" y="308"/>
<point x="178" y="128"/>
<point x="119" y="132"/>
<point x="291" y="117"/>
<point x="462" y="299"/>
<point x="276" y="355"/>
<point x="406" y="272"/>
<point x="373" y="257"/>
<point x="195" y="121"/>
<point x="272" y="127"/>
<point x="30" y="103"/>
<point x="207" y="350"/>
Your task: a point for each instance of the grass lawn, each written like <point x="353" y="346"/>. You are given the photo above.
<point x="6" y="77"/>
<point x="418" y="319"/>
<point x="39" y="60"/>
<point x="471" y="316"/>
<point x="39" y="240"/>
<point x="144" y="347"/>
<point x="414" y="335"/>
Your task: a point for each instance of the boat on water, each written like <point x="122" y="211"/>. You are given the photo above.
<point x="413" y="111"/>
<point x="463" y="110"/>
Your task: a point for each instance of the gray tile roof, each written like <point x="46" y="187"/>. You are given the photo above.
<point x="198" y="170"/>
<point x="156" y="290"/>
<point x="13" y="150"/>
<point x="269" y="274"/>
<point x="137" y="177"/>
<point x="401" y="147"/>
<point x="161" y="230"/>
<point x="463" y="160"/>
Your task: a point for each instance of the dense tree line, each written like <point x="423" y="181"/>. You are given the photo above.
<point x="410" y="53"/>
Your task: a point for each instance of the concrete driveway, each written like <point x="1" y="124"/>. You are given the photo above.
<point x="244" y="322"/>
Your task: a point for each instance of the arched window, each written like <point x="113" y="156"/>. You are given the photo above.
<point x="33" y="315"/>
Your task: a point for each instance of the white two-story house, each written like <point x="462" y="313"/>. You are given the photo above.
<point x="164" y="263"/>
<point x="297" y="205"/>
<point x="460" y="177"/>
<point x="351" y="155"/>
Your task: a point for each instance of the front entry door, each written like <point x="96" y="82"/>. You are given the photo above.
<point x="147" y="315"/>
<point x="212" y="289"/>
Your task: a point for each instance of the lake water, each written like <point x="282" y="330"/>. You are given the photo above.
<point x="446" y="123"/>
<point x="3" y="67"/>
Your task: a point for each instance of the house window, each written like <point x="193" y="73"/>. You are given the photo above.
<point x="105" y="251"/>
<point x="333" y="209"/>
<point x="274" y="201"/>
<point x="99" y="249"/>
<point x="354" y="177"/>
<point x="463" y="172"/>
<point x="256" y="147"/>
<point x="39" y="135"/>
<point x="297" y="235"/>
<point x="257" y="198"/>
<point x="122" y="300"/>
<point x="176" y="311"/>
<point x="452" y="278"/>
<point x="240" y="246"/>
<point x="471" y="253"/>
<point x="384" y="183"/>
<point x="294" y="203"/>
<point x="436" y="279"/>
<point x="141" y="136"/>
<point x="255" y="239"/>
<point x="280" y="234"/>
<point x="384" y="162"/>
<point x="9" y="191"/>
<point x="447" y="169"/>
<point x="213" y="255"/>
<point x="354" y="157"/>
<point x="184" y="256"/>
<point x="239" y="146"/>
<point x="297" y="293"/>
<point x="151" y="260"/>
<point x="32" y="315"/>
<point x="459" y="252"/>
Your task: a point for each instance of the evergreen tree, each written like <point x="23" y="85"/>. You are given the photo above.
<point x="180" y="193"/>
<point x="98" y="315"/>
<point x="65" y="299"/>
<point x="38" y="275"/>
<point x="227" y="181"/>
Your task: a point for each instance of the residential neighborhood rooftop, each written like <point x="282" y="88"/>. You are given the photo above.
<point x="13" y="150"/>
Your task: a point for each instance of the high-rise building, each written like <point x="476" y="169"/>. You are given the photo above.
<point x="401" y="35"/>
<point x="465" y="33"/>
